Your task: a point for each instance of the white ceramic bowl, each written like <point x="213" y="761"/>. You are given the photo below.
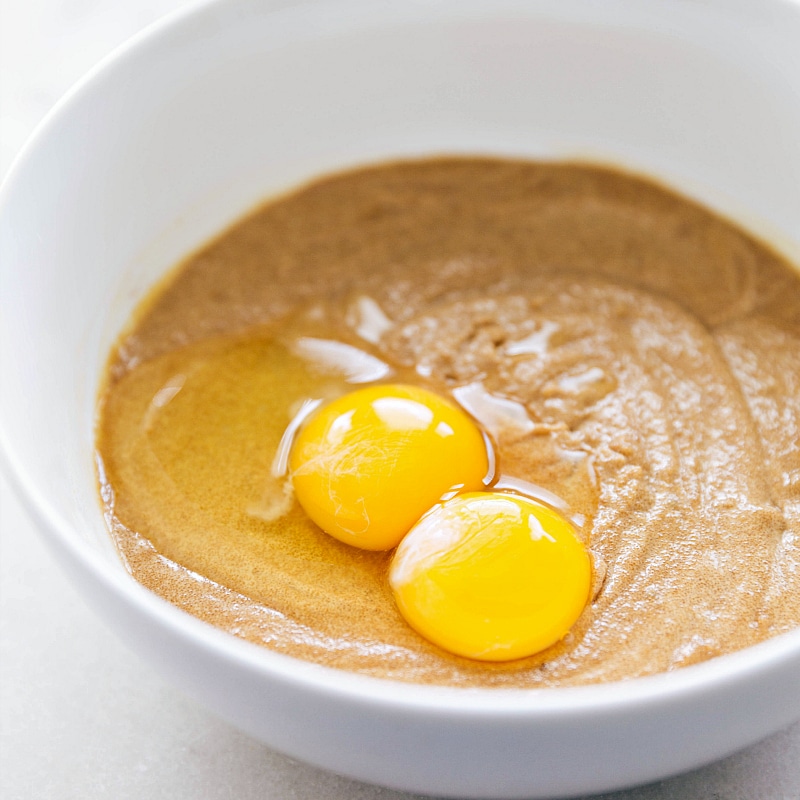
<point x="190" y="124"/>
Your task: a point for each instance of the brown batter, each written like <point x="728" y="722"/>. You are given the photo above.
<point x="653" y="350"/>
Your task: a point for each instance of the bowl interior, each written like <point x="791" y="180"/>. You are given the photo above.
<point x="187" y="128"/>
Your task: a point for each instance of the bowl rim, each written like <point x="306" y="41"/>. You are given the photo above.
<point x="459" y="702"/>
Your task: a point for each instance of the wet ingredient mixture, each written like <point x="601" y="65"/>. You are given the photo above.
<point x="634" y="358"/>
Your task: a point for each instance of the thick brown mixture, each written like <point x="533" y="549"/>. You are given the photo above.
<point x="654" y="347"/>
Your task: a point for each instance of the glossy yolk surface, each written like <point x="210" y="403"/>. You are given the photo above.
<point x="368" y="465"/>
<point x="491" y="576"/>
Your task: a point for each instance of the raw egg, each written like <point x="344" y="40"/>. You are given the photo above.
<point x="368" y="465"/>
<point x="491" y="576"/>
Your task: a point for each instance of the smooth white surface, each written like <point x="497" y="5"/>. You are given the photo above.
<point x="121" y="696"/>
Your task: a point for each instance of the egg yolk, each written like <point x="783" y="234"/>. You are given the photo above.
<point x="491" y="576"/>
<point x="366" y="466"/>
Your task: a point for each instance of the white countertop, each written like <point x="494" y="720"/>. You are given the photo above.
<point x="80" y="716"/>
